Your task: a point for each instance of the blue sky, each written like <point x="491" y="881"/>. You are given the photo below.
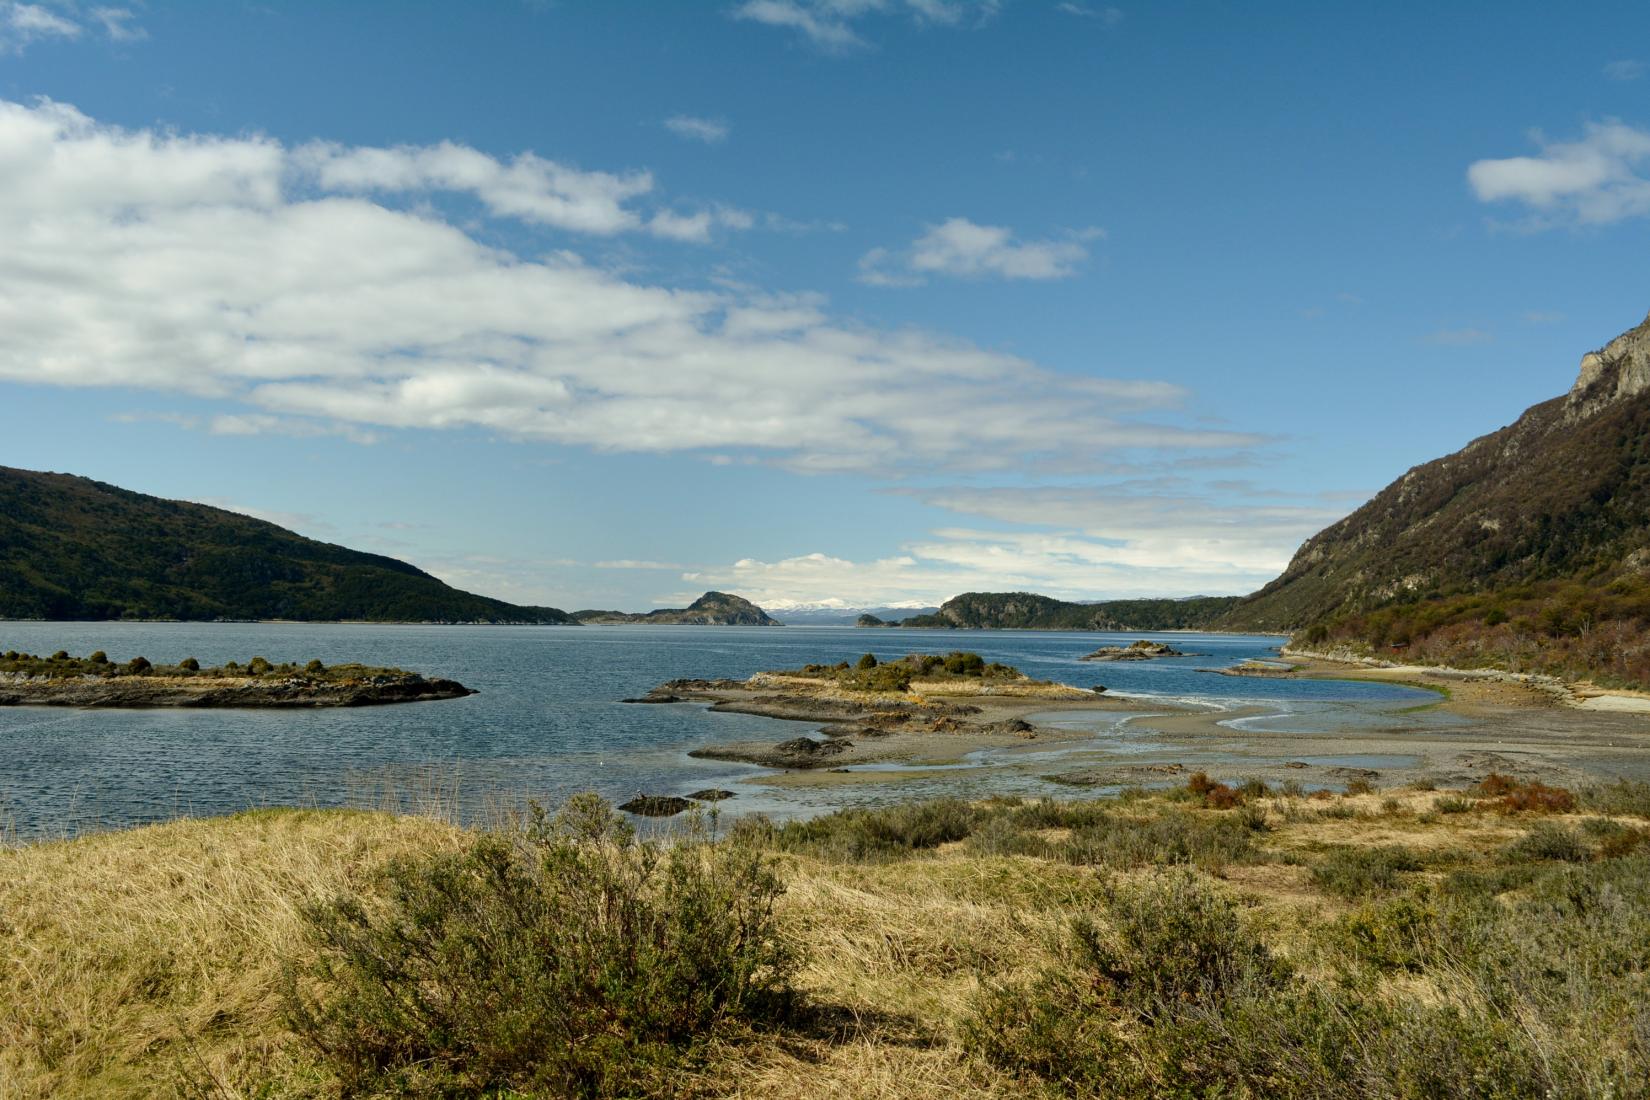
<point x="603" y="304"/>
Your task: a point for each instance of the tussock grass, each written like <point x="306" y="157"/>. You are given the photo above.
<point x="138" y="962"/>
<point x="1149" y="947"/>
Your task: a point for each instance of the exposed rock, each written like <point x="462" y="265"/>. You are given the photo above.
<point x="656" y="805"/>
<point x="1140" y="651"/>
<point x="711" y="794"/>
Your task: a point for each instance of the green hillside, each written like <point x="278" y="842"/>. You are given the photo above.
<point x="1527" y="549"/>
<point x="1028" y="611"/>
<point x="73" y="548"/>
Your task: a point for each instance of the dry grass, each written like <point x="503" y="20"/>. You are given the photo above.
<point x="147" y="962"/>
<point x="143" y="962"/>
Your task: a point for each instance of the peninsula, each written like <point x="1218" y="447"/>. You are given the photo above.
<point x="874" y="712"/>
<point x="94" y="681"/>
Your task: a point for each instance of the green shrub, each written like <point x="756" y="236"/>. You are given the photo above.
<point x="258" y="666"/>
<point x="564" y="959"/>
<point x="1360" y="872"/>
<point x="139" y="665"/>
<point x="1550" y="840"/>
<point x="1164" y="839"/>
<point x="99" y="657"/>
<point x="189" y="664"/>
<point x="315" y="666"/>
<point x="862" y="834"/>
<point x="1627" y="797"/>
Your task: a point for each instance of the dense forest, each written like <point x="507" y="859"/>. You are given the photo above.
<point x="73" y="548"/>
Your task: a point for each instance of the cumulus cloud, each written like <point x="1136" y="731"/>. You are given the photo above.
<point x="963" y="249"/>
<point x="1603" y="177"/>
<point x="270" y="277"/>
<point x="829" y="25"/>
<point x="711" y="131"/>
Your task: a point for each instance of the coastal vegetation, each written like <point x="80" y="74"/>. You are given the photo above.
<point x="61" y="666"/>
<point x="1292" y="944"/>
<point x="870" y="675"/>
<point x="73" y="548"/>
<point x="96" y="681"/>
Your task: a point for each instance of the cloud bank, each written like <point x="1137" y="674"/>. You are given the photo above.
<point x="282" y="280"/>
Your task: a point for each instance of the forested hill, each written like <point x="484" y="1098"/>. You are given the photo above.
<point x="1028" y="611"/>
<point x="1529" y="548"/>
<point x="73" y="548"/>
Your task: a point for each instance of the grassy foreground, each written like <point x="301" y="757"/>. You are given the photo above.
<point x="1208" y="941"/>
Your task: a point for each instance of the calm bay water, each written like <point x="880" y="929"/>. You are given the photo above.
<point x="548" y="721"/>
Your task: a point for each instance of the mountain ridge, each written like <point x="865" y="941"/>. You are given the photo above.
<point x="1527" y="549"/>
<point x="75" y="548"/>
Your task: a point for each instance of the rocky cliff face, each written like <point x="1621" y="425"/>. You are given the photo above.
<point x="1561" y="496"/>
<point x="1621" y="369"/>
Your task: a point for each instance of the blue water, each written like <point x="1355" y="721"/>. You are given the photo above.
<point x="548" y="720"/>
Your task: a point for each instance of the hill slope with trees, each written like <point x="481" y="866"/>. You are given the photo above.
<point x="1029" y="611"/>
<point x="73" y="548"/>
<point x="1527" y="549"/>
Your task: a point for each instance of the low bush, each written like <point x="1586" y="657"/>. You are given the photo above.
<point x="1549" y="840"/>
<point x="1360" y="872"/>
<point x="563" y="959"/>
<point x="856" y="835"/>
<point x="1626" y="797"/>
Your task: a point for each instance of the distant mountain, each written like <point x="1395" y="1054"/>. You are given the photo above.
<point x="1528" y="549"/>
<point x="73" y="548"/>
<point x="843" y="615"/>
<point x="1028" y="611"/>
<point x="711" y="609"/>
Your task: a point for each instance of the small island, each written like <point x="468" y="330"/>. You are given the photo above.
<point x="1139" y="651"/>
<point x="95" y="681"/>
<point x="711" y="609"/>
<point x="875" y="711"/>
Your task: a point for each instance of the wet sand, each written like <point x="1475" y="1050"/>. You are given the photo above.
<point x="1478" y="725"/>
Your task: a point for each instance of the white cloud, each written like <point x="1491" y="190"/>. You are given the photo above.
<point x="265" y="277"/>
<point x="117" y="24"/>
<point x="1108" y="16"/>
<point x="711" y="131"/>
<point x="963" y="249"/>
<point x="1625" y="70"/>
<point x="1106" y="542"/>
<point x="828" y="25"/>
<point x="630" y="563"/>
<point x="1594" y="181"/>
<point x="23" y="24"/>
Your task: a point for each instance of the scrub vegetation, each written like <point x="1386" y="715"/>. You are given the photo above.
<point x="868" y="674"/>
<point x="1263" y="943"/>
<point x="61" y="666"/>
